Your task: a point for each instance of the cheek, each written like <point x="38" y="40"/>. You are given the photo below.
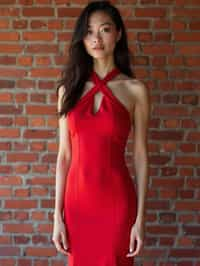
<point x="110" y="39"/>
<point x="86" y="44"/>
<point x="110" y="43"/>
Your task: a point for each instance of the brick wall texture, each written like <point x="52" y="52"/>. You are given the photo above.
<point x="164" y="36"/>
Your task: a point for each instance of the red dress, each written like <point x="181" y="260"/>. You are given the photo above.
<point x="100" y="203"/>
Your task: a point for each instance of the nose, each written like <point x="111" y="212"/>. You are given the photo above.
<point x="96" y="38"/>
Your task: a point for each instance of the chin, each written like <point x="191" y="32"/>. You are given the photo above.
<point x="100" y="54"/>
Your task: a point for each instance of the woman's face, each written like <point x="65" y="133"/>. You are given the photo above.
<point x="101" y="36"/>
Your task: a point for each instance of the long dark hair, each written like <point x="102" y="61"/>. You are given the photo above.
<point x="79" y="65"/>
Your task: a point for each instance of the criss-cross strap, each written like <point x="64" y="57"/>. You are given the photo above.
<point x="110" y="75"/>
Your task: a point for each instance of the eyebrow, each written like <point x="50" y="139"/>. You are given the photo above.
<point x="105" y="23"/>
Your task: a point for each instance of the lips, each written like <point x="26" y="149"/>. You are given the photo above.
<point x="98" y="48"/>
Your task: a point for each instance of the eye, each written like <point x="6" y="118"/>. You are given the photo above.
<point x="106" y="29"/>
<point x="89" y="32"/>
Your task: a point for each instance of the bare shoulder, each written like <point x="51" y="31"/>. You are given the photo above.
<point x="136" y="87"/>
<point x="61" y="90"/>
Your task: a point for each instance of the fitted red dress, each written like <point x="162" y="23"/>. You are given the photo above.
<point x="100" y="203"/>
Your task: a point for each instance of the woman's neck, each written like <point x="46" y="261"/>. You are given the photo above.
<point x="102" y="67"/>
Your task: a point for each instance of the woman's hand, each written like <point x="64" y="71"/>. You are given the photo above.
<point x="137" y="234"/>
<point x="59" y="236"/>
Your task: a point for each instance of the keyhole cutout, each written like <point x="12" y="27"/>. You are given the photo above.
<point x="97" y="102"/>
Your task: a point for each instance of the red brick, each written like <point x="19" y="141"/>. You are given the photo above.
<point x="4" y="24"/>
<point x="10" y="12"/>
<point x="22" y="192"/>
<point x="7" y="83"/>
<point x="5" y="192"/>
<point x="36" y="215"/>
<point x="193" y="136"/>
<point x="17" y="73"/>
<point x="7" y="60"/>
<point x="47" y="203"/>
<point x="186" y="160"/>
<point x="169" y="171"/>
<point x="5" y="215"/>
<point x="187" y="205"/>
<point x="58" y="263"/>
<point x="156" y="50"/>
<point x="168" y="182"/>
<point x="24" y="262"/>
<point x="188" y="49"/>
<point x="41" y="48"/>
<point x="45" y="228"/>
<point x="37" y="24"/>
<point x="46" y="73"/>
<point x="183" y="12"/>
<point x="186" y="194"/>
<point x="69" y="12"/>
<point x="21" y="215"/>
<point x="166" y="135"/>
<point x="159" y="159"/>
<point x="186" y="36"/>
<point x="185" y="241"/>
<point x="9" y="251"/>
<point x="20" y="24"/>
<point x="38" y="36"/>
<point x="24" y="84"/>
<point x="7" y="2"/>
<point x="175" y="111"/>
<point x="150" y="12"/>
<point x="164" y="229"/>
<point x="20" y="204"/>
<point x="37" y="146"/>
<point x="25" y="61"/>
<point x="40" y="251"/>
<point x="40" y="169"/>
<point x="5" y="97"/>
<point x="194" y="253"/>
<point x="193" y="182"/>
<point x="36" y="239"/>
<point x="43" y="60"/>
<point x="22" y="239"/>
<point x="7" y="262"/>
<point x="55" y="25"/>
<point x="9" y="109"/>
<point x="41" y="134"/>
<point x="41" y="181"/>
<point x="191" y="230"/>
<point x="161" y="204"/>
<point x="194" y="25"/>
<point x="40" y="110"/>
<point x="9" y="36"/>
<point x="166" y="241"/>
<point x="188" y="147"/>
<point x="38" y="12"/>
<point x="22" y="157"/>
<point x="39" y="192"/>
<point x="5" y="240"/>
<point x="10" y="180"/>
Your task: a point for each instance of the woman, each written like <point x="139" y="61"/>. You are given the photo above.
<point x="98" y="218"/>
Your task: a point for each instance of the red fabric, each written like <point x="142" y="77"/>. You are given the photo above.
<point x="100" y="198"/>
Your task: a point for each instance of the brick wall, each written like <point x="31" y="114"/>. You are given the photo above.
<point x="164" y="35"/>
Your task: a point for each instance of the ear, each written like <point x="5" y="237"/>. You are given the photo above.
<point x="119" y="35"/>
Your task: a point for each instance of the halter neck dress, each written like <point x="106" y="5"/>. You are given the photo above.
<point x="100" y="202"/>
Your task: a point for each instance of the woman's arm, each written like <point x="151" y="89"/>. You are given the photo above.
<point x="62" y="165"/>
<point x="141" y="123"/>
<point x="63" y="160"/>
<point x="141" y="113"/>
